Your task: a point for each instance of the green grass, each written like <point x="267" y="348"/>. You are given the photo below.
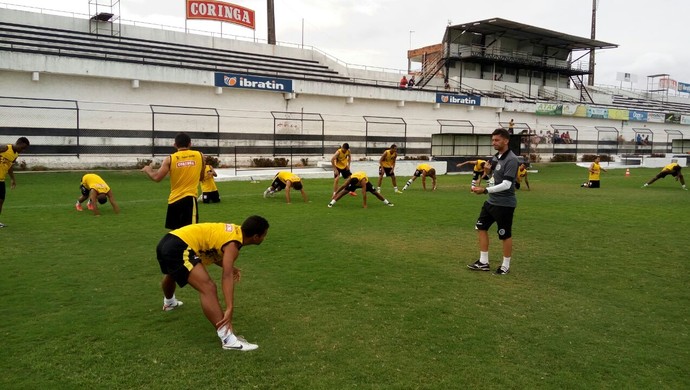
<point x="349" y="298"/>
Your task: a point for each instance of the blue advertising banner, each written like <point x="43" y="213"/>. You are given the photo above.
<point x="449" y="98"/>
<point x="683" y="87"/>
<point x="231" y="80"/>
<point x="640" y="116"/>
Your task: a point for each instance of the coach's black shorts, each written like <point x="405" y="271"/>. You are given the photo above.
<point x="176" y="258"/>
<point x="388" y="171"/>
<point x="210" y="197"/>
<point x="503" y="216"/>
<point x="353" y="184"/>
<point x="345" y="173"/>
<point x="182" y="213"/>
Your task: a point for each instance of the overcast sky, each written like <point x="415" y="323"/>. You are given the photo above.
<point x="377" y="33"/>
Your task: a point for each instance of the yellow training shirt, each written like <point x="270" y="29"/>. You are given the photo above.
<point x="522" y="172"/>
<point x="342" y="158"/>
<point x="6" y="160"/>
<point x="185" y="173"/>
<point x="670" y="167"/>
<point x="94" y="182"/>
<point x="424" y="167"/>
<point x="478" y="166"/>
<point x="388" y="160"/>
<point x="209" y="183"/>
<point x="359" y="176"/>
<point x="208" y="239"/>
<point x="284" y="176"/>
<point x="597" y="172"/>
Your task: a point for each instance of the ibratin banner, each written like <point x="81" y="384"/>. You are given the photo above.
<point x="549" y="109"/>
<point x="220" y="11"/>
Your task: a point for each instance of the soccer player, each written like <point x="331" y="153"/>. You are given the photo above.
<point x="94" y="188"/>
<point x="358" y="180"/>
<point x="209" y="190"/>
<point x="8" y="155"/>
<point x="423" y="170"/>
<point x="522" y="175"/>
<point x="500" y="206"/>
<point x="478" y="173"/>
<point x="285" y="180"/>
<point x="594" y="174"/>
<point x="387" y="167"/>
<point x="672" y="169"/>
<point x="184" y="254"/>
<point x="186" y="168"/>
<point x="341" y="160"/>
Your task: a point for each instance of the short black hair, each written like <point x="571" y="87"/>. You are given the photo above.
<point x="254" y="225"/>
<point x="102" y="198"/>
<point x="23" y="140"/>
<point x="346" y="146"/>
<point x="297" y="185"/>
<point x="394" y="146"/>
<point x="502" y="133"/>
<point x="183" y="140"/>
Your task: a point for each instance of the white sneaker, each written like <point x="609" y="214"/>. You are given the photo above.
<point x="173" y="306"/>
<point x="239" y="344"/>
<point x="266" y="193"/>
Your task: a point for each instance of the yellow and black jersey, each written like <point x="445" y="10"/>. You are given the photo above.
<point x="209" y="183"/>
<point x="185" y="173"/>
<point x="207" y="239"/>
<point x="388" y="158"/>
<point x="479" y="166"/>
<point x="359" y="176"/>
<point x="342" y="158"/>
<point x="94" y="182"/>
<point x="670" y="167"/>
<point x="7" y="158"/>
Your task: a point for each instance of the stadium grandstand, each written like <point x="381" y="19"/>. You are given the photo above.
<point x="83" y="89"/>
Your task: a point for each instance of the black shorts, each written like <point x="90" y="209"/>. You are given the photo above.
<point x="3" y="192"/>
<point x="176" y="258"/>
<point x="345" y="173"/>
<point x="517" y="185"/>
<point x="388" y="171"/>
<point x="210" y="197"/>
<point x="477" y="174"/>
<point x="84" y="191"/>
<point x="594" y="184"/>
<point x="353" y="185"/>
<point x="663" y="174"/>
<point x="278" y="185"/>
<point x="430" y="172"/>
<point x="182" y="213"/>
<point x="503" y="216"/>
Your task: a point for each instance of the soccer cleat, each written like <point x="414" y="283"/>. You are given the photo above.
<point x="398" y="192"/>
<point x="352" y="193"/>
<point x="330" y="205"/>
<point x="239" y="344"/>
<point x="2" y="225"/>
<point x="479" y="266"/>
<point x="266" y="192"/>
<point x="173" y="306"/>
<point x="390" y="205"/>
<point x="502" y="270"/>
<point x="89" y="205"/>
<point x="78" y="207"/>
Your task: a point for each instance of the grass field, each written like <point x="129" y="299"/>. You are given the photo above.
<point x="345" y="298"/>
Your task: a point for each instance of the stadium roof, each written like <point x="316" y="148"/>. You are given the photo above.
<point x="498" y="26"/>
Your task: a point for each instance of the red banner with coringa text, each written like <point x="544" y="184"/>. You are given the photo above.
<point x="221" y="11"/>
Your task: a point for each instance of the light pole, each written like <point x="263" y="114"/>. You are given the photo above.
<point x="411" y="32"/>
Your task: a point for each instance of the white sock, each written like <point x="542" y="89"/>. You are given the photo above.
<point x="506" y="262"/>
<point x="170" y="301"/>
<point x="378" y="189"/>
<point x="395" y="188"/>
<point x="332" y="202"/>
<point x="385" y="201"/>
<point x="225" y="335"/>
<point x="484" y="257"/>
